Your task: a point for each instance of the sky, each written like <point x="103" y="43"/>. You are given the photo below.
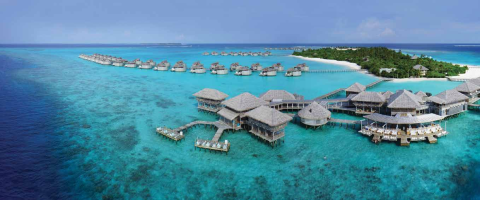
<point x="240" y="21"/>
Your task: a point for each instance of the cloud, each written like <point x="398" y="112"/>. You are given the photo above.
<point x="387" y="32"/>
<point x="373" y="28"/>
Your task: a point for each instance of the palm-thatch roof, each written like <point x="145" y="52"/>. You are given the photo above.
<point x="209" y="93"/>
<point x="426" y="118"/>
<point x="421" y="94"/>
<point x="244" y="102"/>
<point x="268" y="116"/>
<point x="369" y="97"/>
<point x="387" y="94"/>
<point x="227" y="113"/>
<point x="467" y="87"/>
<point x="448" y="97"/>
<point x="356" y="87"/>
<point x="404" y="99"/>
<point x="475" y="81"/>
<point x="314" y="111"/>
<point x="420" y="67"/>
<point x="277" y="94"/>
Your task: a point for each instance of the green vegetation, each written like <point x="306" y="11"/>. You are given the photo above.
<point x="374" y="58"/>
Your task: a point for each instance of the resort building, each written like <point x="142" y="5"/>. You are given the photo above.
<point x="235" y="108"/>
<point x="368" y="102"/>
<point x="314" y="115"/>
<point x="469" y="89"/>
<point x="387" y="94"/>
<point x="272" y="95"/>
<point x="422" y="95"/>
<point x="210" y="99"/>
<point x="404" y="103"/>
<point x="388" y="70"/>
<point x="267" y="123"/>
<point x="449" y="102"/>
<point x="423" y="70"/>
<point x="356" y="88"/>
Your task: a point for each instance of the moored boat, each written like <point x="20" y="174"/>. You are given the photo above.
<point x="294" y="71"/>
<point x="130" y="64"/>
<point x="234" y="66"/>
<point x="256" y="67"/>
<point x="162" y="66"/>
<point x="180" y="66"/>
<point x="278" y="67"/>
<point x="198" y="69"/>
<point x="269" y="71"/>
<point x="219" y="70"/>
<point x="243" y="71"/>
<point x="145" y="65"/>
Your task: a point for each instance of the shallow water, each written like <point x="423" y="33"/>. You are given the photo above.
<point x="75" y="129"/>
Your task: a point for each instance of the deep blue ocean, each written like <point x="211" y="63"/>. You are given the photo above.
<point x="73" y="129"/>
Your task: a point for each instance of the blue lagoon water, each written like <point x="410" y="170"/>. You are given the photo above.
<point x="70" y="128"/>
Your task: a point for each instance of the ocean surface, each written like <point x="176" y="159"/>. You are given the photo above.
<point x="74" y="129"/>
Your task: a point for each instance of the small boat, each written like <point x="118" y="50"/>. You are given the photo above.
<point x="214" y="53"/>
<point x="234" y="66"/>
<point x="145" y="65"/>
<point x="137" y="61"/>
<point x="162" y="66"/>
<point x="294" y="71"/>
<point x="198" y="69"/>
<point x="269" y="71"/>
<point x="243" y="71"/>
<point x="205" y="53"/>
<point x="219" y="70"/>
<point x="278" y="67"/>
<point x="303" y="67"/>
<point x="152" y="63"/>
<point x="256" y="67"/>
<point x="118" y="63"/>
<point x="224" y="53"/>
<point x="131" y="64"/>
<point x="180" y="66"/>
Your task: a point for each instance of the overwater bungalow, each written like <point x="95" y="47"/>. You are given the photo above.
<point x="269" y="71"/>
<point x="387" y="94"/>
<point x="278" y="67"/>
<point x="368" y="102"/>
<point x="213" y="65"/>
<point x="105" y="62"/>
<point x="205" y="53"/>
<point x="162" y="66"/>
<point x="267" y="123"/>
<point x="235" y="108"/>
<point x="210" y="99"/>
<point x="219" y="70"/>
<point x="131" y="64"/>
<point x="137" y="61"/>
<point x="198" y="69"/>
<point x="404" y="128"/>
<point x="224" y="53"/>
<point x="449" y="102"/>
<point x="145" y="65"/>
<point x="303" y="67"/>
<point x="243" y="71"/>
<point x="422" y="95"/>
<point x="314" y="115"/>
<point x="152" y="63"/>
<point x="405" y="103"/>
<point x="423" y="70"/>
<point x="275" y="95"/>
<point x="233" y="66"/>
<point x="355" y="89"/>
<point x="119" y="63"/>
<point x="256" y="67"/>
<point x="180" y="66"/>
<point x="214" y="53"/>
<point x="468" y="89"/>
<point x="293" y="72"/>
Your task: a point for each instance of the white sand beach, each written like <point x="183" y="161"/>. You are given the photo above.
<point x="472" y="72"/>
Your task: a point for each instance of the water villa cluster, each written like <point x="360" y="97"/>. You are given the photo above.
<point x="197" y="67"/>
<point x="223" y="53"/>
<point x="402" y="116"/>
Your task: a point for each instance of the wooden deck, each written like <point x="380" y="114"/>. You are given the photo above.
<point x="330" y="94"/>
<point x="212" y="145"/>
<point x="335" y="71"/>
<point x="404" y="138"/>
<point x="169" y="133"/>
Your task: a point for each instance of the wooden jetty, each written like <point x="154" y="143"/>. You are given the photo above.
<point x="325" y="96"/>
<point x="212" y="145"/>
<point x="335" y="71"/>
<point x="475" y="107"/>
<point x="169" y="133"/>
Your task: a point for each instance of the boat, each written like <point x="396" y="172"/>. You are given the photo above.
<point x="180" y="66"/>
<point x="278" y="67"/>
<point x="118" y="63"/>
<point x="303" y="67"/>
<point x="243" y="71"/>
<point x="137" y="61"/>
<point x="163" y="66"/>
<point x="145" y="65"/>
<point x="131" y="64"/>
<point x="205" y="53"/>
<point x="213" y="65"/>
<point x="152" y="63"/>
<point x="269" y="71"/>
<point x="198" y="69"/>
<point x="256" y="67"/>
<point x="234" y="66"/>
<point x="224" y="53"/>
<point x="219" y="70"/>
<point x="214" y="53"/>
<point x="294" y="71"/>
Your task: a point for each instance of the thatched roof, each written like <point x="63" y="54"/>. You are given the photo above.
<point x="244" y="102"/>
<point x="277" y="94"/>
<point x="420" y="94"/>
<point x="420" y="67"/>
<point x="356" y="87"/>
<point x="314" y="111"/>
<point x="227" y="113"/>
<point x="475" y="81"/>
<point x="467" y="87"/>
<point x="213" y="94"/>
<point x="404" y="99"/>
<point x="426" y="118"/>
<point x="268" y="116"/>
<point x="448" y="97"/>
<point x="369" y="97"/>
<point x="387" y="94"/>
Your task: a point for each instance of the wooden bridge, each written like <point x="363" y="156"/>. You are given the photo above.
<point x="326" y="96"/>
<point x="335" y="71"/>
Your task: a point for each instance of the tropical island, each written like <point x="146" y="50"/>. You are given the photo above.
<point x="385" y="62"/>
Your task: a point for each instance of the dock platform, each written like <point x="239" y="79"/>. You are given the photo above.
<point x="169" y="133"/>
<point x="212" y="145"/>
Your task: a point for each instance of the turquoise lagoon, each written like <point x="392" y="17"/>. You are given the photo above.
<point x="103" y="134"/>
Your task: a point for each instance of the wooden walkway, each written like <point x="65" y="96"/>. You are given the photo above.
<point x="375" y="83"/>
<point x="330" y="94"/>
<point x="335" y="71"/>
